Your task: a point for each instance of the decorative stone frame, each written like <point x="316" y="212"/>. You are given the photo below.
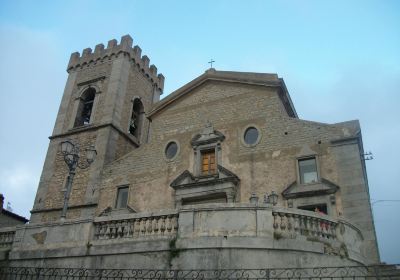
<point x="242" y="134"/>
<point x="209" y="139"/>
<point x="141" y="123"/>
<point x="177" y="151"/>
<point x="197" y="157"/>
<point x="77" y="101"/>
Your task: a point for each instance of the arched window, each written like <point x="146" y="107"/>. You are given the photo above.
<point x="135" y="123"/>
<point x="85" y="107"/>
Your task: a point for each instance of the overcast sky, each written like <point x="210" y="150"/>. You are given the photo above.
<point x="340" y="61"/>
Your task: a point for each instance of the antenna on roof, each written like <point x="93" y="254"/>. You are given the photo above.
<point x="367" y="156"/>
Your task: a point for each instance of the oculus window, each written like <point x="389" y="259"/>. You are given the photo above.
<point x="122" y="197"/>
<point x="308" y="171"/>
<point x="171" y="150"/>
<point x="251" y="136"/>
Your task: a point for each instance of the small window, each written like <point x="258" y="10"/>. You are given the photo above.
<point x="208" y="165"/>
<point x="136" y="118"/>
<point x="308" y="171"/>
<point x="122" y="197"/>
<point x="251" y="136"/>
<point x="85" y="108"/>
<point x="318" y="208"/>
<point x="171" y="150"/>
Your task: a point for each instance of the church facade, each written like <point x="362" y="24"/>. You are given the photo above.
<point x="221" y="173"/>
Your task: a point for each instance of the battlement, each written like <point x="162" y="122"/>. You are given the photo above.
<point x="114" y="50"/>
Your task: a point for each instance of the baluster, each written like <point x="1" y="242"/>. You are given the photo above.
<point x="313" y="226"/>
<point x="275" y="215"/>
<point x="320" y="227"/>
<point x="310" y="226"/>
<point x="162" y="225"/>
<point x="129" y="226"/>
<point x="289" y="222"/>
<point x="108" y="231"/>
<point x="324" y="229"/>
<point x="283" y="221"/>
<point x="113" y="229"/>
<point x="155" y="225"/>
<point x="149" y="226"/>
<point x="125" y="228"/>
<point x="143" y="226"/>
<point x="306" y="225"/>
<point x="119" y="230"/>
<point x="333" y="228"/>
<point x="169" y="224"/>
<point x="296" y="224"/>
<point x="101" y="230"/>
<point x="136" y="227"/>
<point x="175" y="224"/>
<point x="302" y="223"/>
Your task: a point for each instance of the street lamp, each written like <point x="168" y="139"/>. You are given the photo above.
<point x="71" y="157"/>
<point x="272" y="198"/>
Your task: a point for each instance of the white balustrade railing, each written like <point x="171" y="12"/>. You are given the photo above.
<point x="6" y="237"/>
<point x="295" y="224"/>
<point x="137" y="227"/>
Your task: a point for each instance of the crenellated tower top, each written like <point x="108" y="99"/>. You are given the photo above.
<point x="114" y="49"/>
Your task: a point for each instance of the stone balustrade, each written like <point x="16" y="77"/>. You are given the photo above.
<point x="137" y="226"/>
<point x="312" y="225"/>
<point x="203" y="233"/>
<point x="6" y="237"/>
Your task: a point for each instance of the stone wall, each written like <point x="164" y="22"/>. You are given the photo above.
<point x="118" y="73"/>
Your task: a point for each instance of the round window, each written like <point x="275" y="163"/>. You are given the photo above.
<point x="171" y="150"/>
<point x="251" y="136"/>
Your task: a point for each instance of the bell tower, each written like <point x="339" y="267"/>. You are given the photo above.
<point x="105" y="99"/>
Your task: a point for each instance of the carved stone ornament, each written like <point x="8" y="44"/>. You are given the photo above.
<point x="207" y="136"/>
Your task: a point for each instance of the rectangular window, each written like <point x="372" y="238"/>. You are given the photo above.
<point x="308" y="171"/>
<point x="122" y="197"/>
<point x="318" y="208"/>
<point x="208" y="165"/>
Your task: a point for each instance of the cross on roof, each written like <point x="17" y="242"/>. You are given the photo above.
<point x="211" y="62"/>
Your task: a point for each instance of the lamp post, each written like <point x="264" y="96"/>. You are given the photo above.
<point x="272" y="198"/>
<point x="71" y="155"/>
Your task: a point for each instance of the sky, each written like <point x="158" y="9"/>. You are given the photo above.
<point x="340" y="61"/>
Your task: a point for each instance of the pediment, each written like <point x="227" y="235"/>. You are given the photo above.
<point x="220" y="187"/>
<point x="296" y="190"/>
<point x="109" y="211"/>
<point x="187" y="179"/>
<point x="259" y="79"/>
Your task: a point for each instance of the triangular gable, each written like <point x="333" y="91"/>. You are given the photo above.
<point x="186" y="178"/>
<point x="295" y="190"/>
<point x="262" y="79"/>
